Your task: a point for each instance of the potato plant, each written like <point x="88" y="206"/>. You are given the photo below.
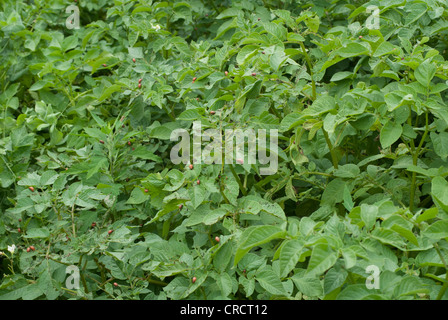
<point x="93" y="207"/>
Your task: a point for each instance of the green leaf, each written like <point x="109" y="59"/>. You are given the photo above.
<point x="32" y="179"/>
<point x="414" y="11"/>
<point x="428" y="214"/>
<point x="46" y="286"/>
<point x="226" y="26"/>
<point x="225" y="284"/>
<point x="136" y="52"/>
<point x="353" y="49"/>
<point x="161" y="132"/>
<point x="245" y="53"/>
<point x="332" y="193"/>
<point x="290" y="253"/>
<point x="270" y="207"/>
<point x="347" y="171"/>
<point x="197" y="195"/>
<point x="193" y="287"/>
<point x="37" y="233"/>
<point x="306" y="226"/>
<point x="390" y="74"/>
<point x="20" y="292"/>
<point x="439" y="192"/>
<point x="255" y="236"/>
<point x="10" y="92"/>
<point x="338" y="76"/>
<point x="177" y="287"/>
<point x="213" y="216"/>
<point x="358" y="292"/>
<point x="405" y="233"/>
<point x="390" y="133"/>
<point x="169" y="207"/>
<point x="229" y="12"/>
<point x="98" y="163"/>
<point x="277" y="30"/>
<point x="269" y="280"/>
<point x="410" y="286"/>
<point x="385" y="48"/>
<point x="349" y="255"/>
<point x="231" y="190"/>
<point x="313" y="23"/>
<point x="309" y="286"/>
<point x="189" y="115"/>
<point x="56" y="136"/>
<point x="438" y="230"/>
<point x="176" y="180"/>
<point x="348" y="202"/>
<point x="142" y="153"/>
<point x="321" y="105"/>
<point x="289" y="121"/>
<point x="6" y="176"/>
<point x="252" y="91"/>
<point x="289" y="190"/>
<point x="369" y="215"/>
<point x="69" y="43"/>
<point x="223" y="257"/>
<point x="248" y="285"/>
<point x="32" y="292"/>
<point x="388" y="236"/>
<point x="40" y="85"/>
<point x="112" y="265"/>
<point x="322" y="259"/>
<point x="370" y="159"/>
<point x="295" y="37"/>
<point x="137" y="196"/>
<point x="440" y="143"/>
<point x="108" y="91"/>
<point x="334" y="279"/>
<point x="429" y="258"/>
<point x="48" y="178"/>
<point x="425" y="72"/>
<point x="419" y="170"/>
<point x="96" y="133"/>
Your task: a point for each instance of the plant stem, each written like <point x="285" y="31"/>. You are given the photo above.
<point x="275" y="112"/>
<point x="9" y="168"/>
<point x="318" y="173"/>
<point x="103" y="276"/>
<point x="222" y="193"/>
<point x="411" y="200"/>
<point x="64" y="263"/>
<point x="70" y="291"/>
<point x="243" y="190"/>
<point x="11" y="261"/>
<point x="203" y="293"/>
<point x="334" y="158"/>
<point x="310" y="69"/>
<point x="83" y="279"/>
<point x="159" y="283"/>
<point x="420" y="145"/>
<point x="445" y="284"/>
<point x="415" y="155"/>
<point x="73" y="219"/>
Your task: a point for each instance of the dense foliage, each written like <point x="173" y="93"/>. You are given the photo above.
<point x="87" y="180"/>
